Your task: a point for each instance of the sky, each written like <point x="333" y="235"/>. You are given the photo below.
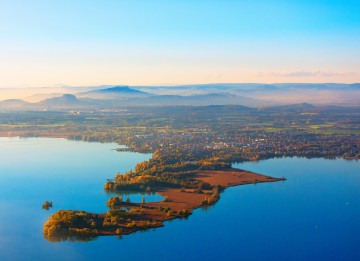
<point x="140" y="42"/>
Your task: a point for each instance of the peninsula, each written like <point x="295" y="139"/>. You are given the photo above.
<point x="193" y="150"/>
<point x="124" y="217"/>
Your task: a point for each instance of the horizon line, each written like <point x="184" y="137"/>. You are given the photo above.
<point x="176" y="85"/>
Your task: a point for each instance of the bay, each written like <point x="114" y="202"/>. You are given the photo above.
<point x="311" y="216"/>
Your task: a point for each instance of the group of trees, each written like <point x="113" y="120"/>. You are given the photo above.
<point x="68" y="223"/>
<point x="165" y="170"/>
<point x="74" y="225"/>
<point x="213" y="198"/>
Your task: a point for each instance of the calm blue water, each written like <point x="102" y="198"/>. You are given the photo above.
<point x="311" y="216"/>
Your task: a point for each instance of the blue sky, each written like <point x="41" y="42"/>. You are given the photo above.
<point x="78" y="42"/>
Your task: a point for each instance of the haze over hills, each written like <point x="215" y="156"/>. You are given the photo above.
<point x="16" y="104"/>
<point x="121" y="96"/>
<point x="251" y="95"/>
<point x="281" y="93"/>
<point x="117" y="92"/>
<point x="64" y="100"/>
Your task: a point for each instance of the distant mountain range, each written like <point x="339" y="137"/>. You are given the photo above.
<point x="268" y="94"/>
<point x="250" y="95"/>
<point x="117" y="92"/>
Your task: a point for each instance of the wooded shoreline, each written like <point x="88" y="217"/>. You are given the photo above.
<point x="125" y="218"/>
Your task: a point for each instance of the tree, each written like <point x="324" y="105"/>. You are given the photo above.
<point x="47" y="204"/>
<point x="114" y="202"/>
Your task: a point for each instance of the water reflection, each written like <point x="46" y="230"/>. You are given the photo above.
<point x="65" y="236"/>
<point x="136" y="197"/>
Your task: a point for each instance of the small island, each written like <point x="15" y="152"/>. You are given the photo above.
<point x="184" y="186"/>
<point x="47" y="205"/>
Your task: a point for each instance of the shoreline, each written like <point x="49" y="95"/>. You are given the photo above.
<point x="46" y="134"/>
<point x="181" y="202"/>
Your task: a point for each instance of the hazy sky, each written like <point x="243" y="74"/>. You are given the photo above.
<point x="88" y="42"/>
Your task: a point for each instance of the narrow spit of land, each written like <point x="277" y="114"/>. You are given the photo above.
<point x="190" y="199"/>
<point x="125" y="217"/>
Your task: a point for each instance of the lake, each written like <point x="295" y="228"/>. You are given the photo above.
<point x="311" y="216"/>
